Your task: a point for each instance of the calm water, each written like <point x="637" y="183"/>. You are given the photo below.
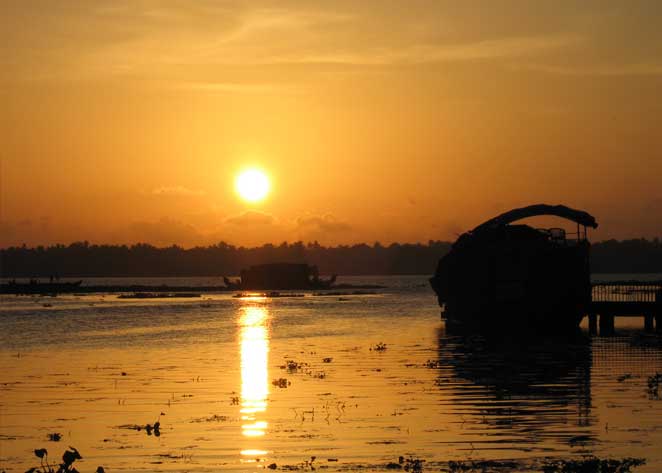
<point x="91" y="367"/>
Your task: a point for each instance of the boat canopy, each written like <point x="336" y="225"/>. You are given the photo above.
<point x="578" y="216"/>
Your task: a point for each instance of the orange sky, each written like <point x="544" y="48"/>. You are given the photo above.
<point x="377" y="120"/>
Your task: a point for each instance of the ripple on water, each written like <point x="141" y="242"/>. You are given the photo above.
<point x="367" y="381"/>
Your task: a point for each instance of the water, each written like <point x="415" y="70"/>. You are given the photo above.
<point x="91" y="367"/>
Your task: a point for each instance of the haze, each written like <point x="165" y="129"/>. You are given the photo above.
<point x="129" y="121"/>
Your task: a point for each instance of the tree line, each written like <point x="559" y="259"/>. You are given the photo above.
<point x="82" y="259"/>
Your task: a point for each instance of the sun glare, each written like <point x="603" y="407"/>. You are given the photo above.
<point x="252" y="185"/>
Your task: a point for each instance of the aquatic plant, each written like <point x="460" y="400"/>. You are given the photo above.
<point x="212" y="418"/>
<point x="654" y="386"/>
<point x="593" y="465"/>
<point x="415" y="465"/>
<point x="281" y="382"/>
<point x="484" y="466"/>
<point x="149" y="428"/>
<point x="68" y="458"/>
<point x="293" y="366"/>
<point x="55" y="437"/>
<point x="381" y="346"/>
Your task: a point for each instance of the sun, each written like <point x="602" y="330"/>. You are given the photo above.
<point x="252" y="185"/>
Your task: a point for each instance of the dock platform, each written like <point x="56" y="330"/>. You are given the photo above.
<point x="625" y="299"/>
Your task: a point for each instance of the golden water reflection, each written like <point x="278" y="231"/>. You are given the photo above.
<point x="254" y="345"/>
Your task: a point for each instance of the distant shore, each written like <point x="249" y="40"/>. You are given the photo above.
<point x="83" y="259"/>
<point x="162" y="289"/>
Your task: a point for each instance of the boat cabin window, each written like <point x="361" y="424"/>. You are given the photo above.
<point x="557" y="234"/>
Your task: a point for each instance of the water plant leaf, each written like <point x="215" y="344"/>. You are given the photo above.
<point x="41" y="452"/>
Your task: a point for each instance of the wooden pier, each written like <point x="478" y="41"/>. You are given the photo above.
<point x="625" y="299"/>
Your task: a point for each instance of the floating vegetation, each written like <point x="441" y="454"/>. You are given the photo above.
<point x="484" y="466"/>
<point x="379" y="347"/>
<point x="654" y="386"/>
<point x="593" y="465"/>
<point x="149" y="428"/>
<point x="293" y="366"/>
<point x="281" y="382"/>
<point x="624" y="377"/>
<point x="414" y="465"/>
<point x="159" y="295"/>
<point x="212" y="418"/>
<point x="55" y="437"/>
<point x="433" y="364"/>
<point x="306" y="465"/>
<point x="68" y="458"/>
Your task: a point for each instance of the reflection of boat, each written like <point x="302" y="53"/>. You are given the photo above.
<point x="507" y="276"/>
<point x="279" y="276"/>
<point x="36" y="287"/>
<point x="536" y="391"/>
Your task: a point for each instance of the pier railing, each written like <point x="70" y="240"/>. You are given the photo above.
<point x="627" y="292"/>
<point x="625" y="299"/>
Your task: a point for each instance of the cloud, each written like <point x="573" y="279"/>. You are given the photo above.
<point x="195" y="44"/>
<point x="422" y="53"/>
<point x="240" y="88"/>
<point x="651" y="69"/>
<point x="325" y="223"/>
<point x="177" y="191"/>
<point x="252" y="218"/>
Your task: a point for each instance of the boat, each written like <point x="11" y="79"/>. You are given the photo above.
<point x="280" y="276"/>
<point x="36" y="287"/>
<point x="506" y="276"/>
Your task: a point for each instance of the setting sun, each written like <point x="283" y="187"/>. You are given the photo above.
<point x="252" y="185"/>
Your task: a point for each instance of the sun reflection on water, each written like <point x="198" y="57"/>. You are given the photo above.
<point x="254" y="343"/>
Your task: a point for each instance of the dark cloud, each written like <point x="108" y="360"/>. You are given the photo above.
<point x="164" y="232"/>
<point x="251" y="217"/>
<point x="325" y="223"/>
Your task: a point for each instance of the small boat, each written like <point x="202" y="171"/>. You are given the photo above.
<point x="280" y="276"/>
<point x="501" y="276"/>
<point x="36" y="287"/>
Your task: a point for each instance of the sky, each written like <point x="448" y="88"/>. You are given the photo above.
<point x="128" y="121"/>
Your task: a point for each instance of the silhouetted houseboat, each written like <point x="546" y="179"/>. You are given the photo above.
<point x="280" y="276"/>
<point x="505" y="276"/>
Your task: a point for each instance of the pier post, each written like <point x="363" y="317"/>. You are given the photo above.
<point x="648" y="322"/>
<point x="593" y="324"/>
<point x="606" y="325"/>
